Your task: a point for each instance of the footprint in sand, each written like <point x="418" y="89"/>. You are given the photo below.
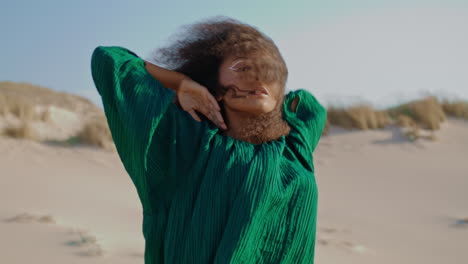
<point x="460" y="222"/>
<point x="29" y="218"/>
<point x="88" y="244"/>
<point x="356" y="248"/>
<point x="331" y="236"/>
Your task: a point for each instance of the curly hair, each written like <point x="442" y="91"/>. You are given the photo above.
<point x="201" y="47"/>
<point x="199" y="50"/>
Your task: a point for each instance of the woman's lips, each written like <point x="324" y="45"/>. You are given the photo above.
<point x="260" y="90"/>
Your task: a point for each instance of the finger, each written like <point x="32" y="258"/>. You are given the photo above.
<point x="213" y="115"/>
<point x="205" y="110"/>
<point x="220" y="120"/>
<point x="210" y="114"/>
<point x="194" y="115"/>
<point x="214" y="103"/>
<point x="210" y="100"/>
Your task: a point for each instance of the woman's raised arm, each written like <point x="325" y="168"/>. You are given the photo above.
<point x="307" y="117"/>
<point x="168" y="78"/>
<point x="191" y="96"/>
<point x="150" y="132"/>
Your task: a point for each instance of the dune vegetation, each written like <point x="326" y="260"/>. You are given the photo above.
<point x="37" y="113"/>
<point x="41" y="114"/>
<point x="422" y="114"/>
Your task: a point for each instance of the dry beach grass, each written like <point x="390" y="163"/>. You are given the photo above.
<point x="24" y="106"/>
<point x="31" y="112"/>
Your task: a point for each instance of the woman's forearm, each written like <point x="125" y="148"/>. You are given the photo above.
<point x="168" y="78"/>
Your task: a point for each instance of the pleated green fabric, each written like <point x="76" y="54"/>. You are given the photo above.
<point x="206" y="197"/>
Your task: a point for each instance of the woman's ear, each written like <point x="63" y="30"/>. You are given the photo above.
<point x="219" y="98"/>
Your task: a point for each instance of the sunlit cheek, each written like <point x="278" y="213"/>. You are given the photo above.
<point x="229" y="78"/>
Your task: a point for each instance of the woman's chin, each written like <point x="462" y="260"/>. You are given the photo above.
<point x="259" y="108"/>
<point x="254" y="105"/>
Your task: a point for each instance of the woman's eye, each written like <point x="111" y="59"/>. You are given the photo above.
<point x="240" y="67"/>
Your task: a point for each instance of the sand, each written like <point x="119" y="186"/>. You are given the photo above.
<point x="382" y="199"/>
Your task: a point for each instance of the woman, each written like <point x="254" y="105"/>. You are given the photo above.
<point x="220" y="156"/>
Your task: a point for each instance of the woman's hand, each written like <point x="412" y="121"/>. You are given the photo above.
<point x="193" y="97"/>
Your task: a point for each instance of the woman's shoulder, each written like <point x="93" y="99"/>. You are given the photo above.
<point x="301" y="107"/>
<point x="112" y="52"/>
<point x="303" y="97"/>
<point x="306" y="117"/>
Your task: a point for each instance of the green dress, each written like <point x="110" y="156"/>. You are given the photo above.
<point x="207" y="197"/>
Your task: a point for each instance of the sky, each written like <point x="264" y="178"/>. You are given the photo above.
<point x="380" y="52"/>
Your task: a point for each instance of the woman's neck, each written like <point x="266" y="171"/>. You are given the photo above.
<point x="256" y="129"/>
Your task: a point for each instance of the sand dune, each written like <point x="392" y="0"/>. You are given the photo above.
<point x="382" y="199"/>
<point x="82" y="188"/>
<point x="398" y="201"/>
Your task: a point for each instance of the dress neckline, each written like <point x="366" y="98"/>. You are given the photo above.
<point x="217" y="133"/>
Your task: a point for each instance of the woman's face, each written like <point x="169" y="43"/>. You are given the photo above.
<point x="242" y="95"/>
